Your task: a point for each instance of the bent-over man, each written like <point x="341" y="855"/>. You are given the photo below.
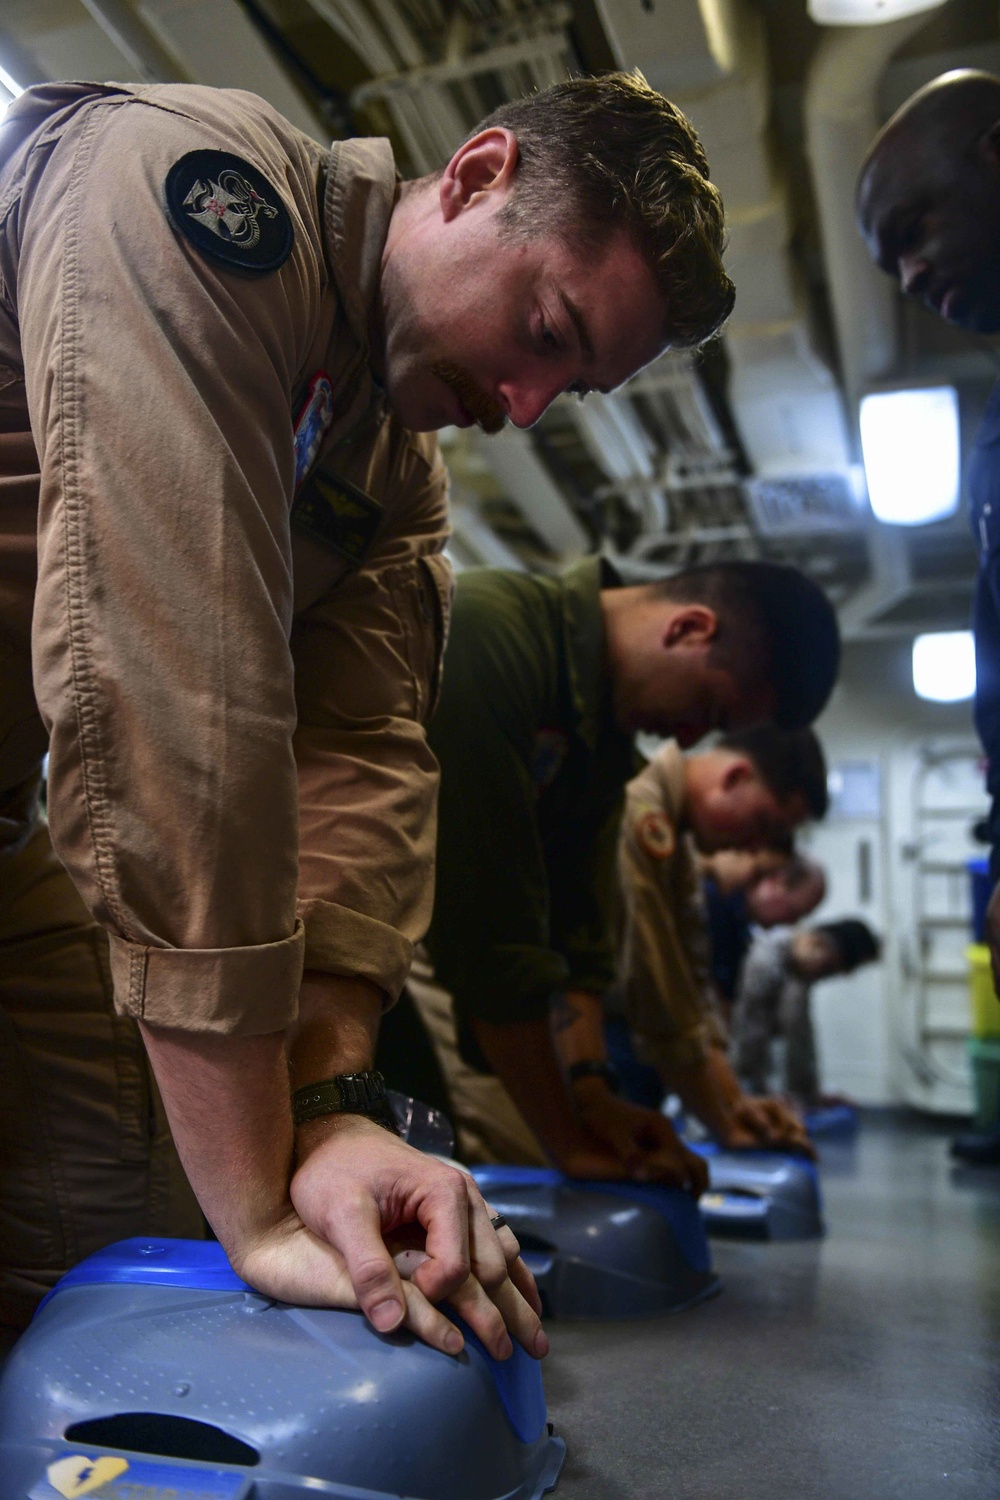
<point x="547" y="682"/>
<point x="747" y="792"/>
<point x="223" y="600"/>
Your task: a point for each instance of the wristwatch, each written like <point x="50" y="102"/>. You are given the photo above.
<point x="596" y="1069"/>
<point x="346" y="1094"/>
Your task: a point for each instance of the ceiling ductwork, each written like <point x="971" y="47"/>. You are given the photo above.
<point x="745" y="449"/>
<point x="711" y="60"/>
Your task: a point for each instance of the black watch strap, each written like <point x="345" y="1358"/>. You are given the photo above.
<point x="596" y="1069"/>
<point x="346" y="1094"/>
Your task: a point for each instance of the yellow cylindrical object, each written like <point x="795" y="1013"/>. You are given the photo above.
<point x="985" y="1005"/>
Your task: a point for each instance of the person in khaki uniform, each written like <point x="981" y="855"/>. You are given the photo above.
<point x="749" y="791"/>
<point x="221" y="585"/>
<point x="547" y="681"/>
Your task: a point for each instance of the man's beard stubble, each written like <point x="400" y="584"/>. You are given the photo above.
<point x="483" y="410"/>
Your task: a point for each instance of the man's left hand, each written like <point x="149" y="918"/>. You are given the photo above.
<point x="645" y="1140"/>
<point x="774" y="1125"/>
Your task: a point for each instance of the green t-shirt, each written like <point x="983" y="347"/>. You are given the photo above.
<point x="533" y="769"/>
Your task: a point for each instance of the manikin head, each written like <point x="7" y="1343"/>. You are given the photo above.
<point x="929" y="198"/>
<point x="753" y="788"/>
<point x="782" y="897"/>
<point x="723" y="646"/>
<point x="569" y="241"/>
<point x="833" y="948"/>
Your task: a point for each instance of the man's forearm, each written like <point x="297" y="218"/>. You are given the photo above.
<point x="336" y="1030"/>
<point x="227" y="1098"/>
<point x="522" y="1055"/>
<point x="709" y="1089"/>
<point x="577" y="1022"/>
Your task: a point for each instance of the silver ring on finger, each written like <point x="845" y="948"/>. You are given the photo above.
<point x="498" y="1222"/>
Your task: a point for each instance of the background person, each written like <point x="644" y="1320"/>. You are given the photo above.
<point x="928" y="208"/>
<point x="751" y="790"/>
<point x="546" y="683"/>
<point x="773" y="1002"/>
<point x="235" y="633"/>
<point x="744" y="888"/>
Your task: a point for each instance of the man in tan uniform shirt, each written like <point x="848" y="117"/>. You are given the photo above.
<point x="753" y="788"/>
<point x="239" y="782"/>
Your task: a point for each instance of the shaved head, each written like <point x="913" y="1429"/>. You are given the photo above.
<point x="928" y="198"/>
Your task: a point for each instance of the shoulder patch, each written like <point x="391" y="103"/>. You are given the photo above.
<point x="229" y="211"/>
<point x="656" y="836"/>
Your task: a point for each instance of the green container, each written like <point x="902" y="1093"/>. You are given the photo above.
<point x="985" y="1058"/>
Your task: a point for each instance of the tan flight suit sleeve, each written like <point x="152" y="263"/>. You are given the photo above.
<point x="368" y="660"/>
<point x="159" y="386"/>
<point x="664" y="1000"/>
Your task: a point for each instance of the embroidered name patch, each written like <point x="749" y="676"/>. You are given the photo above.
<point x="313" y="424"/>
<point x="337" y="515"/>
<point x="229" y="211"/>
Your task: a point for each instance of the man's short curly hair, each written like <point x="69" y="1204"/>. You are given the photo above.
<point x="607" y="153"/>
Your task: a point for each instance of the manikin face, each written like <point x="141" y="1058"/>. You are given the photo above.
<point x="730" y="807"/>
<point x="485" y="325"/>
<point x="930" y="217"/>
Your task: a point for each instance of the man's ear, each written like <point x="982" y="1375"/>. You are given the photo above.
<point x="740" y="769"/>
<point x="989" y="144"/>
<point x="692" y="624"/>
<point x="486" y="164"/>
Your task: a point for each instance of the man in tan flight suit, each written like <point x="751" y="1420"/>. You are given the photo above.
<point x="219" y="348"/>
<point x="751" y="789"/>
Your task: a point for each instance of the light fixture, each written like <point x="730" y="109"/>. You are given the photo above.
<point x="9" y="89"/>
<point x="909" y="441"/>
<point x="944" y="666"/>
<point x="866" y="12"/>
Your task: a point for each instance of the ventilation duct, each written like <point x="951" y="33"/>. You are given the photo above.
<point x="711" y="59"/>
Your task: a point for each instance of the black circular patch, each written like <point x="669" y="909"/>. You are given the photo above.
<point x="229" y="211"/>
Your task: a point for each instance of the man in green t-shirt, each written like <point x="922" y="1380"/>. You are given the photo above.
<point x="546" y="683"/>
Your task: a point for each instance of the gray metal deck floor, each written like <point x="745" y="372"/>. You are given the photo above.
<point x="864" y="1367"/>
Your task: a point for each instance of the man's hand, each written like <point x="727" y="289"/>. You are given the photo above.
<point x="227" y="1101"/>
<point x="767" y="1123"/>
<point x="369" y="1196"/>
<point x="645" y="1142"/>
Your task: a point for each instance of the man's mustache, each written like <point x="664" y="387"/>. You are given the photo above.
<point x="483" y="410"/>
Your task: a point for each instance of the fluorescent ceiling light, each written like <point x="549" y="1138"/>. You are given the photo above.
<point x="9" y="89"/>
<point x="866" y="12"/>
<point x="944" y="666"/>
<point x="909" y="440"/>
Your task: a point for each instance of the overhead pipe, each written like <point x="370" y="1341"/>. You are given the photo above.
<point x="841" y="119"/>
<point x="136" y="42"/>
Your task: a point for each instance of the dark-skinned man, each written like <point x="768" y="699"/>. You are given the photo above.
<point x="222" y="600"/>
<point x="546" y="683"/>
<point x="929" y="210"/>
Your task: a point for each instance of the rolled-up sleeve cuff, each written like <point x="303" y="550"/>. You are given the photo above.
<point x="670" y="1054"/>
<point x="229" y="991"/>
<point x="342" y="941"/>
